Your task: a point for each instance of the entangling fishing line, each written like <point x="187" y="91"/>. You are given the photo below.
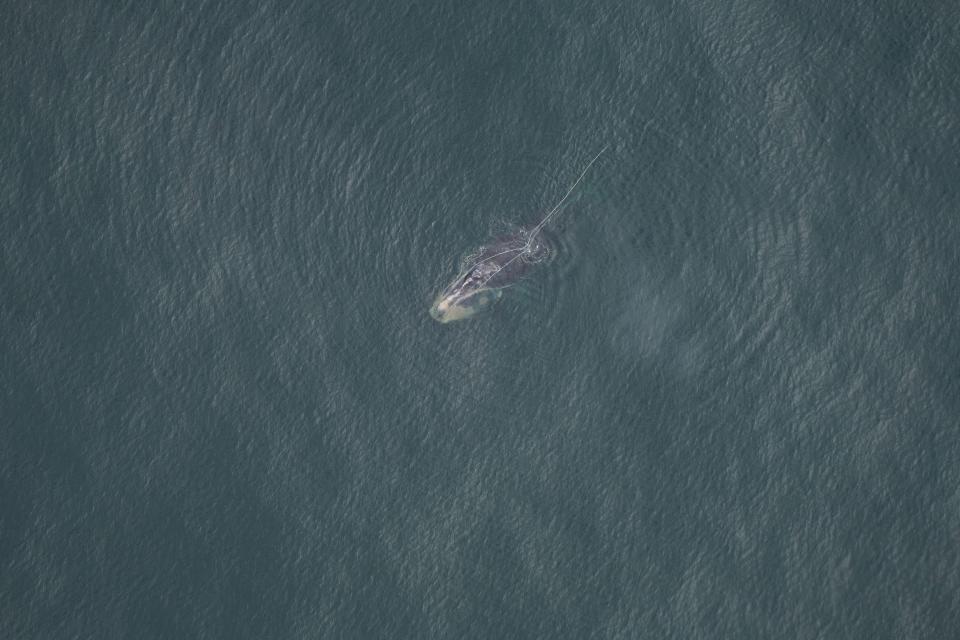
<point x="528" y="245"/>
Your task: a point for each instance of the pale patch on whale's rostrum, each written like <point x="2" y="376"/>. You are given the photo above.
<point x="450" y="309"/>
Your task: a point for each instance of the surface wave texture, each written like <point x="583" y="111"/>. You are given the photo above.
<point x="726" y="406"/>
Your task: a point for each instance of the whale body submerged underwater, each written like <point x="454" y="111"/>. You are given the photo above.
<point x="486" y="272"/>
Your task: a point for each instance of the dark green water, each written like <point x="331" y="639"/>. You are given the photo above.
<point x="727" y="407"/>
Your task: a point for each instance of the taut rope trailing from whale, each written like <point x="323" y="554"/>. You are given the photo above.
<point x="528" y="245"/>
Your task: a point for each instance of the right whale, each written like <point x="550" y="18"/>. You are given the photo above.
<point x="484" y="274"/>
<point x="493" y="267"/>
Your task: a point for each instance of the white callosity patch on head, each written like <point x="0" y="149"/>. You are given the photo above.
<point x="450" y="308"/>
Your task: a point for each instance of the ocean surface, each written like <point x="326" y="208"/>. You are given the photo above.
<point x="727" y="405"/>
